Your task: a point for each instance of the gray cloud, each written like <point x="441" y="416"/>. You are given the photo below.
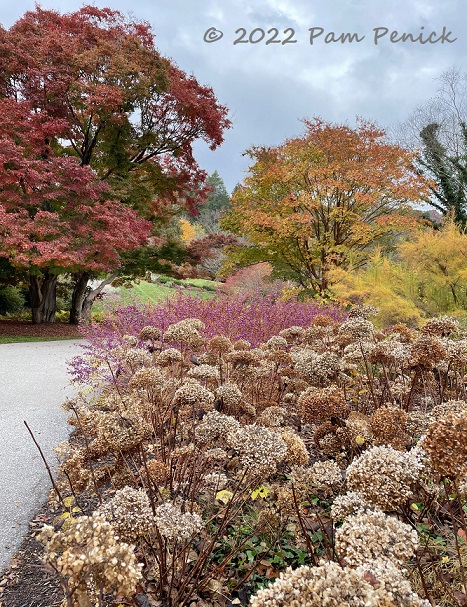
<point x="269" y="88"/>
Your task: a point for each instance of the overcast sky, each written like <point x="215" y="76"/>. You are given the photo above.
<point x="270" y="87"/>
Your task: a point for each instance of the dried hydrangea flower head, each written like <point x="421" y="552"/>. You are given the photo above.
<point x="442" y="409"/>
<point x="135" y="358"/>
<point x="427" y="351"/>
<point x="440" y="327"/>
<point x="316" y="369"/>
<point x="359" y="428"/>
<point x="192" y="394"/>
<point x="332" y="440"/>
<point x="352" y="502"/>
<point x="186" y="332"/>
<point x="260" y="449"/>
<point x="319" y="405"/>
<point x="362" y="311"/>
<point x="331" y="585"/>
<point x="242" y="344"/>
<point x="215" y="428"/>
<point x="176" y="525"/>
<point x="297" y="454"/>
<point x="403" y="333"/>
<point x="149" y="379"/>
<point x="129" y="341"/>
<point x="326" y="474"/>
<point x="90" y="551"/>
<point x="150" y="333"/>
<point x="130" y="514"/>
<point x="384" y="476"/>
<point x="388" y="425"/>
<point x="292" y="334"/>
<point x="357" y="329"/>
<point x="204" y="372"/>
<point x="446" y="443"/>
<point x="220" y="345"/>
<point x="272" y="416"/>
<point x="371" y="535"/>
<point x="276" y="342"/>
<point x="169" y="356"/>
<point x="231" y="396"/>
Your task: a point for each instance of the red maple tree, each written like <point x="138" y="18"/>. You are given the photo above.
<point x="112" y="124"/>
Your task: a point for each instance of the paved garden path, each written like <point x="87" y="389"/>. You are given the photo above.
<point x="33" y="384"/>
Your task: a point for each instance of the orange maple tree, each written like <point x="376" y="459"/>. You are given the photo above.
<point x="319" y="200"/>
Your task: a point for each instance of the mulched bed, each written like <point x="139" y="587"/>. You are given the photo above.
<point x="25" y="583"/>
<point x="27" y="329"/>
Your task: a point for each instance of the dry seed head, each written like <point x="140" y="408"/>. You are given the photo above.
<point x="175" y="525"/>
<point x="440" y="327"/>
<point x="446" y="443"/>
<point x="331" y="585"/>
<point x="319" y="405"/>
<point x="372" y="535"/>
<point x="168" y="357"/>
<point x="214" y="428"/>
<point x="388" y="425"/>
<point x="352" y="502"/>
<point x="297" y="454"/>
<point x="384" y="476"/>
<point x="427" y="351"/>
<point x="150" y="333"/>
<point x="130" y="514"/>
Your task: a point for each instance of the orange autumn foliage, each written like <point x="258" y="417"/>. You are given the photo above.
<point x="319" y="200"/>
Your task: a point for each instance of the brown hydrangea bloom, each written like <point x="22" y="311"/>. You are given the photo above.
<point x="384" y="476"/>
<point x="90" y="550"/>
<point x="186" y="332"/>
<point x="332" y="440"/>
<point x="297" y="454"/>
<point x="168" y="357"/>
<point x="370" y="585"/>
<point x="319" y="405"/>
<point x="359" y="428"/>
<point x="403" y="333"/>
<point x="260" y="449"/>
<point x="356" y="329"/>
<point x="372" y="535"/>
<point x="427" y="351"/>
<point x="441" y="410"/>
<point x="192" y="394"/>
<point x="130" y="514"/>
<point x="158" y="471"/>
<point x="276" y="342"/>
<point x="362" y="311"/>
<point x="272" y="416"/>
<point x="149" y="379"/>
<point x="388" y="425"/>
<point x="219" y="345"/>
<point x="446" y="443"/>
<point x="440" y="327"/>
<point x="352" y="502"/>
<point x="292" y="334"/>
<point x="231" y="396"/>
<point x="241" y="344"/>
<point x="149" y="333"/>
<point x="214" y="428"/>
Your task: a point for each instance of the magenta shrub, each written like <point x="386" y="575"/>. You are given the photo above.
<point x="254" y="318"/>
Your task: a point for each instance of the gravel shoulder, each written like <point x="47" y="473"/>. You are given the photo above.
<point x="33" y="384"/>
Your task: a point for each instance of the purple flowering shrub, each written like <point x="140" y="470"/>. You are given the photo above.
<point x="253" y="317"/>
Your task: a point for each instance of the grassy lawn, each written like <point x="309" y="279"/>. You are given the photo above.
<point x="147" y="292"/>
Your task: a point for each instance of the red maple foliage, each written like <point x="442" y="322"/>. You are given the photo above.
<point x="97" y="130"/>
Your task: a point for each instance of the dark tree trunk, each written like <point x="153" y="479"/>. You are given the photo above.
<point x="84" y="297"/>
<point x="43" y="294"/>
<point x="78" y="297"/>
